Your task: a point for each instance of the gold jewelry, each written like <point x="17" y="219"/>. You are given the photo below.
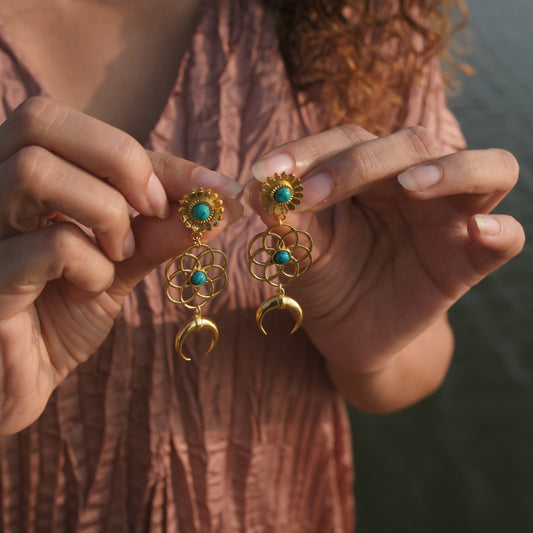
<point x="197" y="275"/>
<point x="281" y="253"/>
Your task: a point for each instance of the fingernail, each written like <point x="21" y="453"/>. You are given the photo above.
<point x="487" y="226"/>
<point x="129" y="244"/>
<point x="157" y="197"/>
<point x="420" y="178"/>
<point x="269" y="165"/>
<point x="203" y="177"/>
<point x="317" y="188"/>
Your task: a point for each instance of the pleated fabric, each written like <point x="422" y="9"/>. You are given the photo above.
<point x="253" y="438"/>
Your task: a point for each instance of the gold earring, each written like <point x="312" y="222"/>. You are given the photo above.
<point x="281" y="253"/>
<point x="197" y="275"/>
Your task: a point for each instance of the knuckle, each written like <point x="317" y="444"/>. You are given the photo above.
<point x="76" y="257"/>
<point x="116" y="212"/>
<point x="126" y="157"/>
<point x="63" y="239"/>
<point x="315" y="148"/>
<point x="364" y="162"/>
<point x="353" y="132"/>
<point x="468" y="165"/>
<point x="31" y="167"/>
<point x="423" y="142"/>
<point x="342" y="137"/>
<point x="36" y="114"/>
<point x="168" y="165"/>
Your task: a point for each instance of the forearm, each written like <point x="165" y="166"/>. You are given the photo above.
<point x="414" y="373"/>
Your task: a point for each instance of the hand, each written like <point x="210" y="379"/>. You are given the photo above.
<point x="390" y="259"/>
<point x="69" y="253"/>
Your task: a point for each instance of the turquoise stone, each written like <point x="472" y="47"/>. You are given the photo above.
<point x="282" y="257"/>
<point x="198" y="278"/>
<point x="283" y="195"/>
<point x="201" y="212"/>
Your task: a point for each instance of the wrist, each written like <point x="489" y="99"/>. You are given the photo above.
<point x="398" y="381"/>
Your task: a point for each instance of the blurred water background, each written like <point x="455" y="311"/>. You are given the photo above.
<point x="462" y="461"/>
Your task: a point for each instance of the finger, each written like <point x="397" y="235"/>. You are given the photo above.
<point x="32" y="259"/>
<point x="495" y="239"/>
<point x="364" y="165"/>
<point x="298" y="157"/>
<point x="35" y="182"/>
<point x="484" y="175"/>
<point x="180" y="176"/>
<point x="95" y="146"/>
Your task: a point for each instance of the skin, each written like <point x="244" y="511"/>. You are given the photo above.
<point x="106" y="58"/>
<point x="389" y="261"/>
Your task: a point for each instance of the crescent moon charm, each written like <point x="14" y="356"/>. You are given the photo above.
<point x="279" y="302"/>
<point x="195" y="325"/>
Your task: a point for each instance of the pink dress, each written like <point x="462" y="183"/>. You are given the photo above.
<point x="252" y="438"/>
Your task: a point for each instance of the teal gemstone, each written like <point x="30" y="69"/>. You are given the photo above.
<point x="198" y="278"/>
<point x="201" y="212"/>
<point x="283" y="195"/>
<point x="282" y="257"/>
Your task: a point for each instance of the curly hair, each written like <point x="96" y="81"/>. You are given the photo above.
<point x="361" y="57"/>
